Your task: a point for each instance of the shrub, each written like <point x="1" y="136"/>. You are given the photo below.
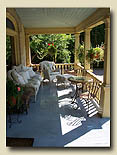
<point x="81" y="54"/>
<point x="13" y="94"/>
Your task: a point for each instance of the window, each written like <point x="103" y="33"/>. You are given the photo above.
<point x="9" y="24"/>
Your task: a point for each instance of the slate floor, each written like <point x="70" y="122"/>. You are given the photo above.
<point x="53" y="122"/>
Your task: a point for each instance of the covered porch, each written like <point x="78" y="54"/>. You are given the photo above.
<point x="22" y="27"/>
<point x="62" y="126"/>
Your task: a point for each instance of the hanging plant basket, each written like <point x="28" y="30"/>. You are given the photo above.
<point x="52" y="50"/>
<point x="96" y="54"/>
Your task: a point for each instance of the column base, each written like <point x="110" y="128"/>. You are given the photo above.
<point x="105" y="100"/>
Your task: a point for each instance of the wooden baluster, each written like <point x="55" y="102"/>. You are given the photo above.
<point x="65" y="67"/>
<point x="62" y="72"/>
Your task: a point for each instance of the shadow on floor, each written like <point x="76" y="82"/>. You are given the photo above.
<point x="53" y="122"/>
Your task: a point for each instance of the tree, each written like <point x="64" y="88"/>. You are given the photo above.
<point x="63" y="56"/>
<point x="49" y="46"/>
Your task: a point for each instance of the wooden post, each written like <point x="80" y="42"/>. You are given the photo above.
<point x="77" y="42"/>
<point x="22" y="45"/>
<point x="28" y="54"/>
<point x="87" y="47"/>
<point x="62" y="69"/>
<point x="105" y="90"/>
<point x="16" y="47"/>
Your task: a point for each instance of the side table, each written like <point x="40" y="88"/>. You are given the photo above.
<point x="76" y="80"/>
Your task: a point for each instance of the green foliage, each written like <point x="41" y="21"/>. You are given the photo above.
<point x="52" y="51"/>
<point x="41" y="50"/>
<point x="90" y="54"/>
<point x="63" y="56"/>
<point x="13" y="94"/>
<point x="81" y="54"/>
<point x="38" y="47"/>
<point x="71" y="47"/>
<point x="99" y="54"/>
<point x="8" y="50"/>
<point x="96" y="54"/>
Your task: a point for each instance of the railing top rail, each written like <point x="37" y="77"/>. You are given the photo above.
<point x="90" y="73"/>
<point x="94" y="76"/>
<point x="55" y="64"/>
<point x="80" y="66"/>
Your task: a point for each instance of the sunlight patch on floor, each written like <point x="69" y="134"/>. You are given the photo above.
<point x="64" y="92"/>
<point x="93" y="138"/>
<point x="69" y="123"/>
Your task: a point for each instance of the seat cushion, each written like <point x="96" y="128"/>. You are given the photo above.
<point x="24" y="75"/>
<point x="31" y="73"/>
<point x="27" y="74"/>
<point x="25" y="68"/>
<point x="34" y="81"/>
<point x="38" y="77"/>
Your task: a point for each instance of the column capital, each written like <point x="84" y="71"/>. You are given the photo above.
<point x="26" y="34"/>
<point x="107" y="22"/>
<point x="87" y="29"/>
<point x="77" y="34"/>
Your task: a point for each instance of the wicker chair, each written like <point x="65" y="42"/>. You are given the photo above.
<point x="48" y="70"/>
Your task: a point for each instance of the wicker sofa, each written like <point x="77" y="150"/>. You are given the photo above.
<point x="25" y="76"/>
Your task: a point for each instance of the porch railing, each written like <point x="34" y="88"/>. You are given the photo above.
<point x="59" y="66"/>
<point x="62" y="67"/>
<point x="95" y="79"/>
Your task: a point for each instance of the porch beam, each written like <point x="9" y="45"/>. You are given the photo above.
<point x="105" y="90"/>
<point x="32" y="31"/>
<point x="97" y="18"/>
<point x="87" y="47"/>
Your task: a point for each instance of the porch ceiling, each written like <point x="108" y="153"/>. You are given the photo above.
<point x="53" y="17"/>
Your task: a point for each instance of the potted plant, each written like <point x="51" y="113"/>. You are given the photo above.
<point x="52" y="51"/>
<point x="13" y="95"/>
<point x="95" y="55"/>
<point x="81" y="54"/>
<point x="90" y="54"/>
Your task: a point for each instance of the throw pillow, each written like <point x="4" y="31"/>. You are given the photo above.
<point x="27" y="74"/>
<point x="17" y="78"/>
<point x="18" y="68"/>
<point x="31" y="73"/>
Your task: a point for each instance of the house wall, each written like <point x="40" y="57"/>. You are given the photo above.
<point x="19" y="36"/>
